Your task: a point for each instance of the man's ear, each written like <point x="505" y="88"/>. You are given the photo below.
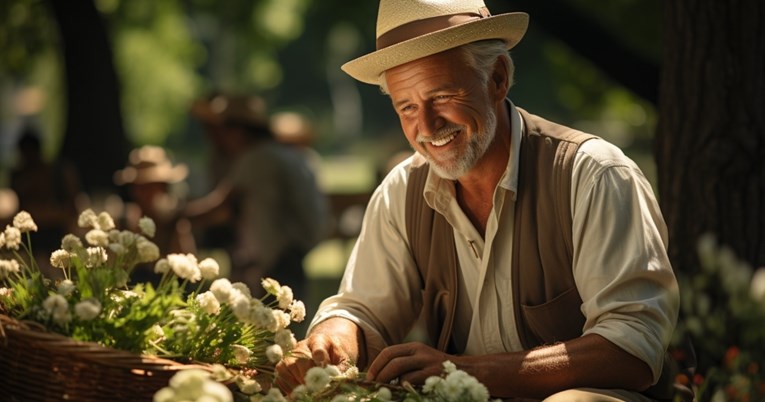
<point x="499" y="81"/>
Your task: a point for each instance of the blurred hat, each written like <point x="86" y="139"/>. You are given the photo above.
<point x="292" y="128"/>
<point x="150" y="164"/>
<point x="408" y="30"/>
<point x="244" y="110"/>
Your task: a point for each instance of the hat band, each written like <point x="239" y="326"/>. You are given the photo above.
<point x="421" y="27"/>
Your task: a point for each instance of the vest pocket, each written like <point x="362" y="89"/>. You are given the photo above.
<point x="557" y="320"/>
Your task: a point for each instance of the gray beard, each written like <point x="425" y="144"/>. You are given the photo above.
<point x="459" y="165"/>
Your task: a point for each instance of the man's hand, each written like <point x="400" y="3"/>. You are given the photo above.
<point x="412" y="362"/>
<point x="335" y="341"/>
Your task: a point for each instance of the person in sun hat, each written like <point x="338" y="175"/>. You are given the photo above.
<point x="534" y="254"/>
<point x="268" y="192"/>
<point x="155" y="187"/>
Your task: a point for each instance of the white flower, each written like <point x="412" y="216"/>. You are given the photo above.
<point x="6" y="292"/>
<point x="286" y="339"/>
<point x="155" y="333"/>
<point x="248" y="386"/>
<point x="449" y="367"/>
<point x="240" y="305"/>
<point x="271" y="286"/>
<point x="147" y="226"/>
<point x="87" y="218"/>
<point x="60" y="259"/>
<point x="95" y="256"/>
<point x="297" y="311"/>
<point x="118" y="249"/>
<point x="274" y="353"/>
<point x="12" y="237"/>
<point x="219" y="372"/>
<point x="221" y="288"/>
<point x="105" y="221"/>
<point x="58" y="308"/>
<point x="24" y="222"/>
<point x="87" y="309"/>
<point x="384" y="394"/>
<point x="263" y="317"/>
<point x="184" y="266"/>
<point x="97" y="237"/>
<point x="342" y="398"/>
<point x="2" y="239"/>
<point x="208" y="303"/>
<point x="241" y="353"/>
<point x="162" y="266"/>
<point x="352" y="373"/>
<point x="8" y="267"/>
<point x="209" y="268"/>
<point x="243" y="288"/>
<point x="66" y="287"/>
<point x="189" y="384"/>
<point x="282" y="320"/>
<point x="316" y="378"/>
<point x="284" y="297"/>
<point x="147" y="251"/>
<point x="71" y="243"/>
<point x="299" y="392"/>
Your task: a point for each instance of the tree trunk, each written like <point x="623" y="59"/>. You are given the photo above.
<point x="94" y="139"/>
<point x="710" y="139"/>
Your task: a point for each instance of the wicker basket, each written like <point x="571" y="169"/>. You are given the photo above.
<point x="40" y="366"/>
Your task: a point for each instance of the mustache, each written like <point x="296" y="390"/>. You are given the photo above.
<point x="441" y="133"/>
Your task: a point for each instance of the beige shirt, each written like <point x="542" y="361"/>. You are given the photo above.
<point x="621" y="268"/>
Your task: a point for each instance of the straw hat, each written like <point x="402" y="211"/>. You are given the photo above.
<point x="411" y="29"/>
<point x="245" y="110"/>
<point x="150" y="164"/>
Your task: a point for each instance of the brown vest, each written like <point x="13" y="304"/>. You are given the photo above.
<point x="546" y="300"/>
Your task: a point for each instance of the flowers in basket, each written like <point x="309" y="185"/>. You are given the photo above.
<point x="190" y="315"/>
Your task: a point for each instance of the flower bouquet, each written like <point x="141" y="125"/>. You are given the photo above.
<point x="92" y="334"/>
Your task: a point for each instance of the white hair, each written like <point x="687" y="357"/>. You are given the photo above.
<point x="481" y="56"/>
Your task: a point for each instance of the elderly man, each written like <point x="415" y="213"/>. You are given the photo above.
<point x="535" y="254"/>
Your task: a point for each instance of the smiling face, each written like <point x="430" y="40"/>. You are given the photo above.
<point x="448" y="112"/>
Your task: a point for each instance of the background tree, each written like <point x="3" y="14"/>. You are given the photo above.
<point x="710" y="140"/>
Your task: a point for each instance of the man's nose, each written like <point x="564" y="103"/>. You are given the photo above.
<point x="429" y="121"/>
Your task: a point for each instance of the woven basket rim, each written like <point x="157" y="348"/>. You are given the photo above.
<point x="91" y="351"/>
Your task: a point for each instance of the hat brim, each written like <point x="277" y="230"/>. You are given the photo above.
<point x="508" y="27"/>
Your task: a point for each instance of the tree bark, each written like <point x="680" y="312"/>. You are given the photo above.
<point x="94" y="138"/>
<point x="710" y="138"/>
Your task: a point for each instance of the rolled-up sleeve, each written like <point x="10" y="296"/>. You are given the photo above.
<point x="380" y="289"/>
<point x="621" y="267"/>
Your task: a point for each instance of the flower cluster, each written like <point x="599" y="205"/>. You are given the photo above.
<point x="723" y="308"/>
<point x="328" y="384"/>
<point x="189" y="314"/>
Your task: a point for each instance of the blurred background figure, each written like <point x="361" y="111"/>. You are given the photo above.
<point x="269" y="192"/>
<point x="47" y="190"/>
<point x="155" y="188"/>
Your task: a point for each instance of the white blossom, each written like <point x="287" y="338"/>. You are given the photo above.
<point x="248" y="386"/>
<point x="316" y="378"/>
<point x="273" y="395"/>
<point x="241" y="353"/>
<point x="147" y="226"/>
<point x="2" y="239"/>
<point x="284" y="297"/>
<point x="61" y="259"/>
<point x="243" y="288"/>
<point x="24" y="222"/>
<point x="271" y="286"/>
<point x="274" y="353"/>
<point x="8" y="267"/>
<point x="221" y="288"/>
<point x="95" y="256"/>
<point x="184" y="266"/>
<point x="105" y="221"/>
<point x="757" y="288"/>
<point x="97" y="237"/>
<point x="162" y="266"/>
<point x="87" y="309"/>
<point x="66" y="287"/>
<point x="58" y="308"/>
<point x="240" y="305"/>
<point x="87" y="218"/>
<point x="71" y="243"/>
<point x="286" y="339"/>
<point x="6" y="292"/>
<point x="333" y="371"/>
<point x="297" y="311"/>
<point x="12" y="237"/>
<point x="208" y="303"/>
<point x="147" y="250"/>
<point x="209" y="268"/>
